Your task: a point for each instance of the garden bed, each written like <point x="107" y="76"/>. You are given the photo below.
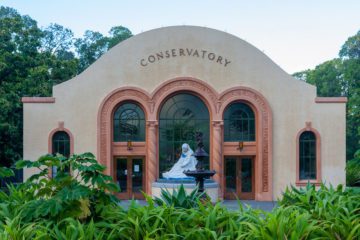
<point x="81" y="206"/>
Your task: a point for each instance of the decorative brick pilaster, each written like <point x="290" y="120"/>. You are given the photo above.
<point x="151" y="161"/>
<point x="217" y="155"/>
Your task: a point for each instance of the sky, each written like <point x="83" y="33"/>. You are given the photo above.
<point x="297" y="35"/>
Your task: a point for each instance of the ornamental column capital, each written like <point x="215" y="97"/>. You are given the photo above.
<point x="217" y="123"/>
<point x="152" y="123"/>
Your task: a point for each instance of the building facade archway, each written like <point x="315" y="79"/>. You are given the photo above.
<point x="182" y="115"/>
<point x="216" y="104"/>
<point x="261" y="149"/>
<point x="106" y="147"/>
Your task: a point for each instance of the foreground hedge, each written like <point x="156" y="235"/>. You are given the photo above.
<point x="307" y="214"/>
<point x="81" y="213"/>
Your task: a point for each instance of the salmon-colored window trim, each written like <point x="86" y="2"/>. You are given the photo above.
<point x="60" y="128"/>
<point x="262" y="150"/>
<point x="305" y="183"/>
<point x="316" y="181"/>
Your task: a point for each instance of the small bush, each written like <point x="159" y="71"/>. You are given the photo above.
<point x="335" y="210"/>
<point x="179" y="198"/>
<point x="79" y="195"/>
<point x="353" y="172"/>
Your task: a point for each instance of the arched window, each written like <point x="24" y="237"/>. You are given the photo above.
<point x="181" y="117"/>
<point x="129" y="123"/>
<point x="60" y="145"/>
<point x="239" y="123"/>
<point x="307" y="156"/>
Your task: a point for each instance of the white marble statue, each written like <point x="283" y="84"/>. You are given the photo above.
<point x="186" y="162"/>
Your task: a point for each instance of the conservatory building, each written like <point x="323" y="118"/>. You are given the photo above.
<point x="138" y="104"/>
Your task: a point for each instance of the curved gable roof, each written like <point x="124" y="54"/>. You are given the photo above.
<point x="150" y="58"/>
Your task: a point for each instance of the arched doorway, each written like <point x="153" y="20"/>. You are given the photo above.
<point x="259" y="152"/>
<point x="182" y="115"/>
<point x="129" y="127"/>
<point x="239" y="168"/>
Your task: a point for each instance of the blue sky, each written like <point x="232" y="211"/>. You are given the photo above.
<point x="296" y="34"/>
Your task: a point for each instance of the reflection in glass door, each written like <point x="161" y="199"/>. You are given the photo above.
<point x="230" y="174"/>
<point x="121" y="173"/>
<point x="239" y="178"/>
<point x="129" y="177"/>
<point x="137" y="175"/>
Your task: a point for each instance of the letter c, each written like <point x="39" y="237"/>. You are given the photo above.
<point x="142" y="63"/>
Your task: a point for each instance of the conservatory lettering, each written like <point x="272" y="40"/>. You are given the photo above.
<point x="185" y="52"/>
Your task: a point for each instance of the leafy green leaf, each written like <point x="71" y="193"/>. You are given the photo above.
<point x="6" y="172"/>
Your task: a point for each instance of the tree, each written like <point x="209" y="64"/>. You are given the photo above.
<point x="351" y="48"/>
<point x="341" y="77"/>
<point x="302" y="75"/>
<point x="90" y="48"/>
<point x="118" y="34"/>
<point x="350" y="55"/>
<point x="57" y="41"/>
<point x="32" y="60"/>
<point x="26" y="69"/>
<point x="328" y="78"/>
<point x="20" y="40"/>
<point x="93" y="44"/>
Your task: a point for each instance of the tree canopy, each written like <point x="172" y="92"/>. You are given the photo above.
<point x="341" y="77"/>
<point x="32" y="60"/>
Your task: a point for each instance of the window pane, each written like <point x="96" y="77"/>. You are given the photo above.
<point x="307" y="156"/>
<point x="246" y="175"/>
<point x="121" y="173"/>
<point x="181" y="117"/>
<point x="239" y="123"/>
<point x="60" y="145"/>
<point x="230" y="174"/>
<point x="137" y="175"/>
<point x="129" y="123"/>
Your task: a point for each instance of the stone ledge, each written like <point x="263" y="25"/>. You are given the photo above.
<point x="211" y="187"/>
<point x="331" y="99"/>
<point x="38" y="100"/>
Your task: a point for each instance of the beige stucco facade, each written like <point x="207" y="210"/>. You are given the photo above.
<point x="293" y="103"/>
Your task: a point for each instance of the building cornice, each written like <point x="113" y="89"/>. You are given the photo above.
<point x="331" y="100"/>
<point x="38" y="100"/>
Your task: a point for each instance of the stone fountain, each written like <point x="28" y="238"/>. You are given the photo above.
<point x="200" y="174"/>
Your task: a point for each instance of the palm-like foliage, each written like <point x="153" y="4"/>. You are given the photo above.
<point x="179" y="198"/>
<point x="335" y="210"/>
<point x="79" y="194"/>
<point x="80" y="206"/>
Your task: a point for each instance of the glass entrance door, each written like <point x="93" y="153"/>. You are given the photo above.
<point x="130" y="177"/>
<point x="239" y="177"/>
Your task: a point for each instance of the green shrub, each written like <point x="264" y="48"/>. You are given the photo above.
<point x="353" y="172"/>
<point x="284" y="223"/>
<point x="82" y="207"/>
<point x="80" y="195"/>
<point x="6" y="172"/>
<point x="179" y="198"/>
<point x="335" y="210"/>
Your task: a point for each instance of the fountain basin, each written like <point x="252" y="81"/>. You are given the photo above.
<point x="211" y="187"/>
